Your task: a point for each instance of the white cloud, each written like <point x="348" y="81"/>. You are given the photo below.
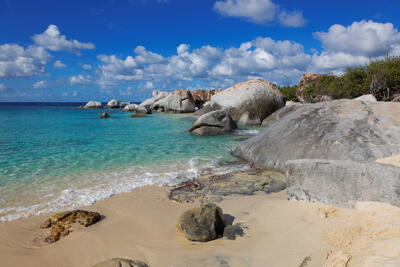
<point x="86" y="66"/>
<point x="292" y="19"/>
<point x="260" y="12"/>
<point x="364" y="38"/>
<point x="59" y="64"/>
<point x="52" y="40"/>
<point x="40" y="84"/>
<point x="16" y="61"/>
<point x="80" y="80"/>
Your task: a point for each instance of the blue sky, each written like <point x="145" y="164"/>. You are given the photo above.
<point x="125" y="49"/>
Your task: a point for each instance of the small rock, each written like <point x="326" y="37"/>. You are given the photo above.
<point x="104" y="115"/>
<point x="231" y="231"/>
<point x="118" y="262"/>
<point x="138" y="115"/>
<point x="202" y="224"/>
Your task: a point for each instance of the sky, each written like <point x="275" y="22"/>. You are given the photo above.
<point x="124" y="49"/>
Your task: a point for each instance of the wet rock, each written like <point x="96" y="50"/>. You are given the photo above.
<point x="231" y="231"/>
<point x="60" y="223"/>
<point x="104" y="115"/>
<point x="138" y="115"/>
<point x="202" y="224"/>
<point x="119" y="262"/>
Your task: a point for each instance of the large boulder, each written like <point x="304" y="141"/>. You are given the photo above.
<point x="119" y="262"/>
<point x="113" y="104"/>
<point x="130" y="108"/>
<point x="156" y="95"/>
<point x="342" y="183"/>
<point x="306" y="80"/>
<point x="123" y="104"/>
<point x="367" y="98"/>
<point x="258" y="98"/>
<point x="143" y="109"/>
<point x="202" y="224"/>
<point x="180" y="101"/>
<point x="93" y="105"/>
<point x="337" y="130"/>
<point x="213" y="123"/>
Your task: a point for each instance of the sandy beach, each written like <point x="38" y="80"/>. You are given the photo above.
<point x="141" y="225"/>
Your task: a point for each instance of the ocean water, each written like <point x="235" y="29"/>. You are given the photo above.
<point x="54" y="157"/>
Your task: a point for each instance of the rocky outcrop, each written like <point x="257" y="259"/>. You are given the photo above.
<point x="322" y="98"/>
<point x="60" y="223"/>
<point x="202" y="96"/>
<point x="366" y="98"/>
<point x="119" y="262"/>
<point x="202" y="224"/>
<point x="180" y="101"/>
<point x="130" y="108"/>
<point x="143" y="109"/>
<point x="342" y="183"/>
<point x="113" y="104"/>
<point x="258" y="98"/>
<point x="157" y="95"/>
<point x="213" y="123"/>
<point x="123" y="104"/>
<point x="93" y="105"/>
<point x="337" y="130"/>
<point x="307" y="79"/>
<point x="104" y="115"/>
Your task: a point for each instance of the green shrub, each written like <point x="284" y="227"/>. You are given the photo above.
<point x="289" y="92"/>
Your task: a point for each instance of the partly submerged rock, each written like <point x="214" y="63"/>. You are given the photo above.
<point x="213" y="123"/>
<point x="93" y="105"/>
<point x="180" y="101"/>
<point x="258" y="98"/>
<point x="130" y="108"/>
<point x="138" y="115"/>
<point x="60" y="223"/>
<point x="306" y="80"/>
<point x="113" y="104"/>
<point x="157" y="95"/>
<point x="119" y="262"/>
<point x="202" y="224"/>
<point x="104" y="115"/>
<point x="367" y="98"/>
<point x="339" y="129"/>
<point x="342" y="183"/>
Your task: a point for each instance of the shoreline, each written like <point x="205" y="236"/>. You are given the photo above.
<point x="140" y="225"/>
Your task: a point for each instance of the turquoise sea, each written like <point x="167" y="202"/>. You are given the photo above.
<point x="53" y="156"/>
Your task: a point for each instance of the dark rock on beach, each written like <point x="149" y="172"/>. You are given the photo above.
<point x="202" y="224"/>
<point x="213" y="123"/>
<point x="119" y="262"/>
<point x="60" y="223"/>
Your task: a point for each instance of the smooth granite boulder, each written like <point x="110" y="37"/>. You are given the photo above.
<point x="337" y="130"/>
<point x="130" y="108"/>
<point x="180" y="101"/>
<point x="119" y="262"/>
<point x="113" y="104"/>
<point x="213" y="123"/>
<point x="279" y="114"/>
<point x="342" y="183"/>
<point x="202" y="224"/>
<point x="93" y="105"/>
<point x="367" y="98"/>
<point x="143" y="109"/>
<point x="157" y="95"/>
<point x="123" y="104"/>
<point x="258" y="98"/>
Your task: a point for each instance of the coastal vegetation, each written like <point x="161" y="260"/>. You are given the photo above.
<point x="380" y="78"/>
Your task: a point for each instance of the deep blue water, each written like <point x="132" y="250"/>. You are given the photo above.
<point x="53" y="156"/>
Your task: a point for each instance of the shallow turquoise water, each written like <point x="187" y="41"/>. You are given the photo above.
<point x="54" y="157"/>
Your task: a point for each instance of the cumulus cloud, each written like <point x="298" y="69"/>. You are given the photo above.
<point x="354" y="45"/>
<point x="80" y="80"/>
<point x="86" y="66"/>
<point x="260" y="12"/>
<point x="52" y="40"/>
<point x="40" y="84"/>
<point x="59" y="64"/>
<point x="17" y="61"/>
